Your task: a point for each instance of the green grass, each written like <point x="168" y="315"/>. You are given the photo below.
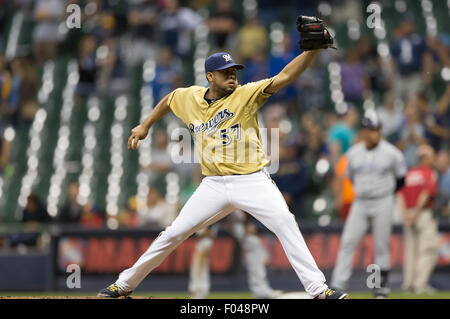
<point x="402" y="295"/>
<point x="223" y="295"/>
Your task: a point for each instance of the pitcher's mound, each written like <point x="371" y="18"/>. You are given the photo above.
<point x="295" y="295"/>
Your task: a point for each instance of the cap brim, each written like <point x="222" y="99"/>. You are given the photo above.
<point x="230" y="65"/>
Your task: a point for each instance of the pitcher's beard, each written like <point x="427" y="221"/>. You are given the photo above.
<point x="227" y="90"/>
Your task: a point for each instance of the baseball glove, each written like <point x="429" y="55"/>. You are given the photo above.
<point x="313" y="34"/>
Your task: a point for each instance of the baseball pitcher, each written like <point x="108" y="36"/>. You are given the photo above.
<point x="222" y="119"/>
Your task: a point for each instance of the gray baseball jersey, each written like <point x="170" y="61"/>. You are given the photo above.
<point x="374" y="172"/>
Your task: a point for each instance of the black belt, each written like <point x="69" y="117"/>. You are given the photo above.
<point x="375" y="197"/>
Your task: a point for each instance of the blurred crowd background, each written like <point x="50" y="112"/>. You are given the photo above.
<point x="70" y="96"/>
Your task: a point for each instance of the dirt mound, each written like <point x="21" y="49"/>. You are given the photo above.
<point x="72" y="297"/>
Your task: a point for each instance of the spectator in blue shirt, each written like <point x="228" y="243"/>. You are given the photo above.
<point x="438" y="127"/>
<point x="168" y="69"/>
<point x="442" y="201"/>
<point x="444" y="185"/>
<point x="277" y="61"/>
<point x="409" y="50"/>
<point x="256" y="68"/>
<point x="292" y="177"/>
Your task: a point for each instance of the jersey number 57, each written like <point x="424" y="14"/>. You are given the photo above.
<point x="227" y="134"/>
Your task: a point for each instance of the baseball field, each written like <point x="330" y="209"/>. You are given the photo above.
<point x="213" y="295"/>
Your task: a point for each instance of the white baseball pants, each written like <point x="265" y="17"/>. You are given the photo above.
<point x="216" y="197"/>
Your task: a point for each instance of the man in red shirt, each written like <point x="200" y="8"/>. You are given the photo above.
<point x="420" y="228"/>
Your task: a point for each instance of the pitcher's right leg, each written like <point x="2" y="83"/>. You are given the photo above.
<point x="206" y="206"/>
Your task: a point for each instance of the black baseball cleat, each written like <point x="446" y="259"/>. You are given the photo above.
<point x="331" y="294"/>
<point x="113" y="291"/>
<point x="381" y="293"/>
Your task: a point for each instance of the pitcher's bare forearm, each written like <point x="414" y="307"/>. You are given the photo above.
<point x="161" y="109"/>
<point x="291" y="71"/>
<point x="140" y="132"/>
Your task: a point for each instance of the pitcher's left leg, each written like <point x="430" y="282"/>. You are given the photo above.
<point x="259" y="196"/>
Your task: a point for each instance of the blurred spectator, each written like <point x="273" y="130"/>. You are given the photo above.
<point x="420" y="227"/>
<point x="256" y="67"/>
<point x="5" y="150"/>
<point x="344" y="10"/>
<point x="292" y="177"/>
<point x="91" y="217"/>
<point x="3" y="35"/>
<point x="273" y="114"/>
<point x="252" y="38"/>
<point x="341" y="135"/>
<point x="438" y="125"/>
<point x="312" y="140"/>
<point x="409" y="52"/>
<point x="199" y="4"/>
<point x="87" y="66"/>
<point x="375" y="65"/>
<point x="128" y="217"/>
<point x="71" y="212"/>
<point x="391" y="117"/>
<point x="177" y="24"/>
<point x="159" y="212"/>
<point x="412" y="132"/>
<point x="5" y="87"/>
<point x="47" y="16"/>
<point x="35" y="210"/>
<point x="142" y="21"/>
<point x="355" y="78"/>
<point x="161" y="162"/>
<point x="222" y="24"/>
<point x="342" y="188"/>
<point x="33" y="215"/>
<point x="440" y="47"/>
<point x="168" y="69"/>
<point x="310" y="87"/>
<point x="25" y="86"/>
<point x="113" y="80"/>
<point x="277" y="62"/>
<point x="12" y="104"/>
<point x="442" y="202"/>
<point x="193" y="180"/>
<point x="98" y="20"/>
<point x="105" y="23"/>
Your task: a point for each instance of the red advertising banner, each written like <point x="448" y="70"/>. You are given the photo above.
<point x="113" y="254"/>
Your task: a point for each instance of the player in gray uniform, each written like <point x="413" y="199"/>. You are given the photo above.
<point x="377" y="169"/>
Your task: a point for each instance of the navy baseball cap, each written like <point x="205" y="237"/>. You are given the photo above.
<point x="371" y="120"/>
<point x="220" y="61"/>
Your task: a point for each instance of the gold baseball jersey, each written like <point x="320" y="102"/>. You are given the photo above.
<point x="225" y="132"/>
